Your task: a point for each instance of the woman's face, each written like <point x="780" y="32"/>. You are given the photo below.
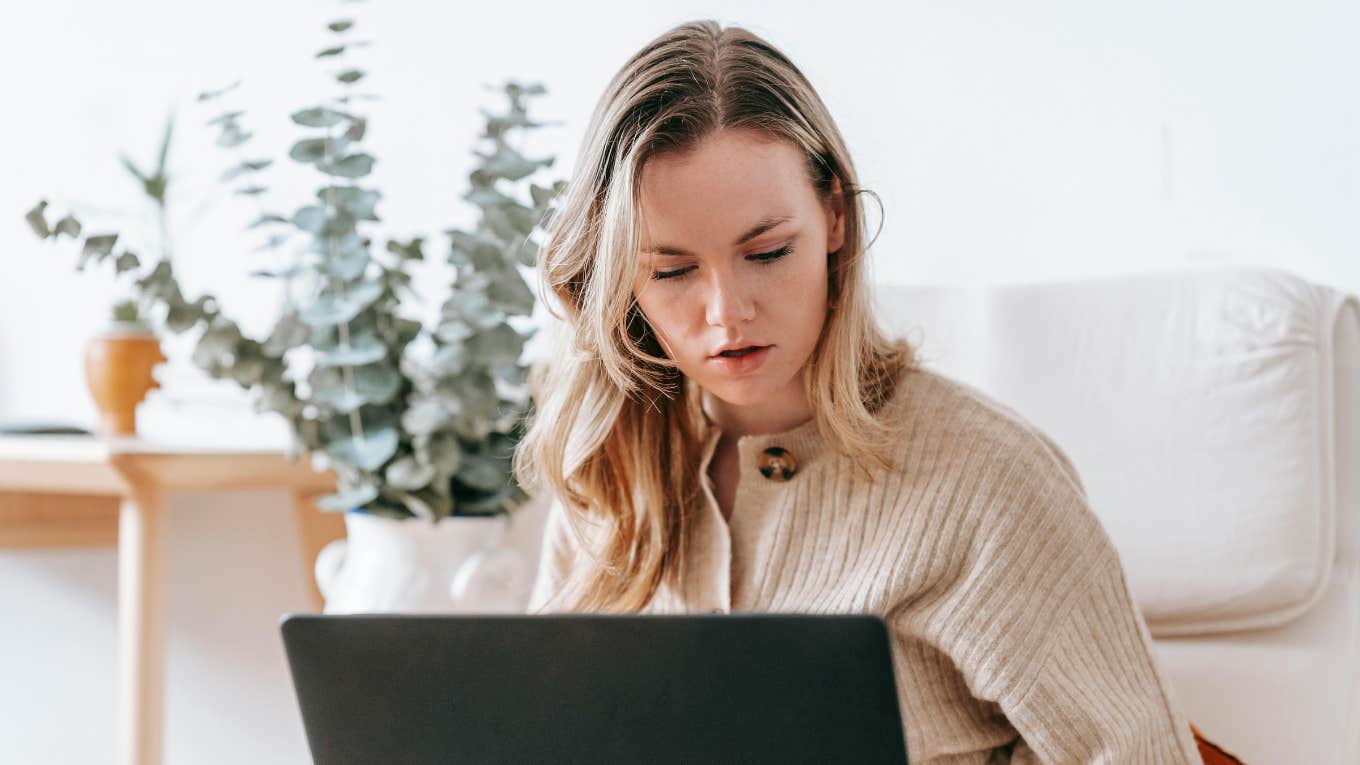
<point x="735" y="247"/>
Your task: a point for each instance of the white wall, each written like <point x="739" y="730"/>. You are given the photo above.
<point x="1008" y="141"/>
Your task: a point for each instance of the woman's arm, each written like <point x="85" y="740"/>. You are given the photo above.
<point x="1098" y="695"/>
<point x="1035" y="613"/>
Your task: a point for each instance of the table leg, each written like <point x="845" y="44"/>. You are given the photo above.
<point x="142" y="523"/>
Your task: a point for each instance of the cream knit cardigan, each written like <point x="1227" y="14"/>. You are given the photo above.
<point x="1014" y="634"/>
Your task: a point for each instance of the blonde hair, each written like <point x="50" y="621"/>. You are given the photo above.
<point x="617" y="430"/>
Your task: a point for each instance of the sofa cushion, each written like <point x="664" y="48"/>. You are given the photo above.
<point x="1198" y="408"/>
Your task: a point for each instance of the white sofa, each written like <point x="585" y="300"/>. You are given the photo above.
<point x="1214" y="417"/>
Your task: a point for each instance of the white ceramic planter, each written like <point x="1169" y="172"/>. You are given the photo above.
<point x="459" y="565"/>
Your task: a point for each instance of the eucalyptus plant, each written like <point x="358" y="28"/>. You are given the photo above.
<point x="408" y="434"/>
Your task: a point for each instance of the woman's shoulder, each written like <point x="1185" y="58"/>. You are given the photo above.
<point x="960" y="425"/>
<point x="978" y="464"/>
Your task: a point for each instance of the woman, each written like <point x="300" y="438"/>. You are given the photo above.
<point x="725" y="428"/>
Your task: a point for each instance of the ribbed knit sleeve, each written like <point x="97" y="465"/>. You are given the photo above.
<point x="1036" y="617"/>
<point x="1097" y="695"/>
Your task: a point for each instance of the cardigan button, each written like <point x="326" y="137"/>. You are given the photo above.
<point x="778" y="464"/>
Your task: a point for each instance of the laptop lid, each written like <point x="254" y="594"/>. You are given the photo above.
<point x="595" y="688"/>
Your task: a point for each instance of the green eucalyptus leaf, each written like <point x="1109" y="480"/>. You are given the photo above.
<point x="510" y="222"/>
<point x="313" y="150"/>
<point x="362" y="350"/>
<point x="290" y="332"/>
<point x="453" y="330"/>
<point x="214" y="350"/>
<point x="479" y="250"/>
<point x="281" y="398"/>
<point x="311" y="218"/>
<point x="225" y="118"/>
<point x="527" y="254"/>
<point x="439" y="449"/>
<point x="541" y="195"/>
<point x="37" y="221"/>
<point x="126" y="261"/>
<point x="511" y="165"/>
<point x="373" y="384"/>
<point x="340" y="25"/>
<point x="471" y="392"/>
<point x="319" y="116"/>
<point x="487" y="197"/>
<point x="482" y="472"/>
<point x="344" y="257"/>
<point x="68" y="226"/>
<point x="356" y="129"/>
<point x="411" y="250"/>
<point x="160" y="283"/>
<point x="283" y="273"/>
<point x="407" y="330"/>
<point x="378" y="383"/>
<point x="96" y="247"/>
<point x="232" y="136"/>
<point x="396" y="280"/>
<point x="473" y="307"/>
<point x="425" y="416"/>
<point x="334" y="50"/>
<point x="350" y="76"/>
<point x="368" y="451"/>
<point x="246" y="371"/>
<point x="251" y="191"/>
<point x="485" y="502"/>
<point x="351" y="499"/>
<point x="418" y="507"/>
<point x="274" y="240"/>
<point x="209" y="95"/>
<point x="267" y="219"/>
<point x="409" y="473"/>
<point x="183" y="315"/>
<point x="449" y="360"/>
<point x="323" y="221"/>
<point x="428" y="505"/>
<point x="236" y="171"/>
<point x="511" y="294"/>
<point x="331" y="307"/>
<point x="349" y="166"/>
<point x="381" y="508"/>
<point x="356" y="201"/>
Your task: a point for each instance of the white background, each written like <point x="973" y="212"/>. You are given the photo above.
<point x="1008" y="142"/>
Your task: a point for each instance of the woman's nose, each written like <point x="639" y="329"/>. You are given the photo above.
<point x="729" y="300"/>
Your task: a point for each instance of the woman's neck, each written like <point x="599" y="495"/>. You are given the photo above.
<point x="783" y="411"/>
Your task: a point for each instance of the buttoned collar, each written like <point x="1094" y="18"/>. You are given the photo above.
<point x="804" y="442"/>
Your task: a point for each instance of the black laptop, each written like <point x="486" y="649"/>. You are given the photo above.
<point x="595" y="689"/>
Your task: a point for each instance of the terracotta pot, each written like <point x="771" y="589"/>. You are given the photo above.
<point x="118" y="366"/>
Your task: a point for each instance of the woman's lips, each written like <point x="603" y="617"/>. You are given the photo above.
<point x="742" y="364"/>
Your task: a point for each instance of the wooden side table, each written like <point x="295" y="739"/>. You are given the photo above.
<point x="82" y="491"/>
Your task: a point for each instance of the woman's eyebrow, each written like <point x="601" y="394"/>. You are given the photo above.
<point x="761" y="226"/>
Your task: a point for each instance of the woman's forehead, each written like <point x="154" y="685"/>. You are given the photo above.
<point x="722" y="188"/>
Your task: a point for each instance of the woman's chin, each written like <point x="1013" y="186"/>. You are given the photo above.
<point x="748" y="391"/>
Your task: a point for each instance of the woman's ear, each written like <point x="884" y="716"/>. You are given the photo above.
<point x="835" y="217"/>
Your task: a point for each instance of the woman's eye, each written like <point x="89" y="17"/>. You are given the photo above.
<point x="763" y="257"/>
<point x="671" y="274"/>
